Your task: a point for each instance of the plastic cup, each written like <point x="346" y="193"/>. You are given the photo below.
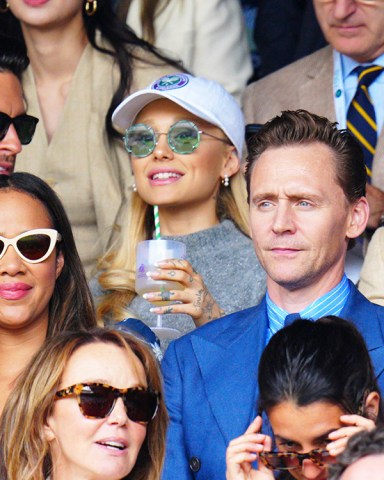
<point x="149" y="252"/>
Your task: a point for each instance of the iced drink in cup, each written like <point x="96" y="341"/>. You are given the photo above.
<point x="148" y="253"/>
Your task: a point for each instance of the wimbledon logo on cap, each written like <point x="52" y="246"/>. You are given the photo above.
<point x="170" y="82"/>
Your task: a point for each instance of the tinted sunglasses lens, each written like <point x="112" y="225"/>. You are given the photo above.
<point x="5" y="122"/>
<point x="322" y="457"/>
<point x="141" y="405"/>
<point x="96" y="402"/>
<point x="184" y="137"/>
<point x="140" y="140"/>
<point x="34" y="246"/>
<point x="277" y="461"/>
<point x="25" y="126"/>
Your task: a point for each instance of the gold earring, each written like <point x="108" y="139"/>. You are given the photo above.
<point x="90" y="7"/>
<point x="5" y="8"/>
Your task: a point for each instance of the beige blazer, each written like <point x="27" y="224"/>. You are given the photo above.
<point x="90" y="175"/>
<point x="371" y="282"/>
<point x="307" y="84"/>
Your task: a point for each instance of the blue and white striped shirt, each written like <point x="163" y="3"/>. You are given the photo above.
<point x="331" y="303"/>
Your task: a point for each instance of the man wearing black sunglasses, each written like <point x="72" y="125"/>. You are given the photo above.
<point x="306" y="190"/>
<point x="16" y="128"/>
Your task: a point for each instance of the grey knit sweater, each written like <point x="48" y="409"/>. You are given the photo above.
<point x="226" y="260"/>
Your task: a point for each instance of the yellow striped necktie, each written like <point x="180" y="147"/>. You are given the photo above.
<point x="361" y="118"/>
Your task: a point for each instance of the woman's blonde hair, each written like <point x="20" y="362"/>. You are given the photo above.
<point x="25" y="449"/>
<point x="118" y="266"/>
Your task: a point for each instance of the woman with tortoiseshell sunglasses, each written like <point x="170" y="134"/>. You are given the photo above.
<point x="317" y="388"/>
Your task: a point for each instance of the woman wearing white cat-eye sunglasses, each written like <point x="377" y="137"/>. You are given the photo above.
<point x="42" y="285"/>
<point x="33" y="246"/>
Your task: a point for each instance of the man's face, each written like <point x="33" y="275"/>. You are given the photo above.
<point x="11" y="103"/>
<point x="354" y="28"/>
<point x="300" y="218"/>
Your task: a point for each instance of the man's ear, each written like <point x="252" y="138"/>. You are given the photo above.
<point x="358" y="218"/>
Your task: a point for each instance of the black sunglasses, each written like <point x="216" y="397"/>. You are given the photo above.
<point x="292" y="460"/>
<point x="25" y="126"/>
<point x="97" y="400"/>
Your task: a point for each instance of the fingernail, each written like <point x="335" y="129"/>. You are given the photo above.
<point x="149" y="295"/>
<point x="155" y="310"/>
<point x="160" y="263"/>
<point x="153" y="274"/>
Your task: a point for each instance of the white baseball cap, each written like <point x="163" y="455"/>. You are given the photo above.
<point x="204" y="98"/>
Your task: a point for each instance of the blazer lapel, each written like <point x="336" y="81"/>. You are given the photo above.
<point x="233" y="354"/>
<point x="365" y="315"/>
<point x="317" y="85"/>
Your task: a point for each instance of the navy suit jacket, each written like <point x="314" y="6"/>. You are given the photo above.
<point x="210" y="379"/>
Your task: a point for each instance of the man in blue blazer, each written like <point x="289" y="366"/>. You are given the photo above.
<point x="306" y="185"/>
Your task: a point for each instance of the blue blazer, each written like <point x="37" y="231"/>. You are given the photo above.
<point x="210" y="380"/>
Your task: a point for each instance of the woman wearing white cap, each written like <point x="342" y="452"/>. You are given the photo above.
<point x="185" y="137"/>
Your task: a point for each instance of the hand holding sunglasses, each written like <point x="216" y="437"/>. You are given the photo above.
<point x="33" y="246"/>
<point x="97" y="400"/>
<point x="243" y="451"/>
<point x="24" y="124"/>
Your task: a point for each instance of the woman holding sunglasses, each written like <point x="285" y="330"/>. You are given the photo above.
<point x="43" y="289"/>
<point x="318" y="388"/>
<point x="88" y="407"/>
<point x="184" y="136"/>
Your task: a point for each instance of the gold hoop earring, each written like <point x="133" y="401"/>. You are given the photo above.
<point x="5" y="8"/>
<point x="90" y="7"/>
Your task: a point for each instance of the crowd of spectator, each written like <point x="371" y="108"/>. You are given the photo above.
<point x="251" y="132"/>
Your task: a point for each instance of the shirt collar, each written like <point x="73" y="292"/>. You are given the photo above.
<point x="331" y="303"/>
<point x="348" y="64"/>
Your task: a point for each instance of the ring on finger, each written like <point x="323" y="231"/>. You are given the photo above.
<point x="166" y="296"/>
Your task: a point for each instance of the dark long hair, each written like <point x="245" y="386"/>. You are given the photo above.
<point x="125" y="47"/>
<point x="309" y="362"/>
<point x="71" y="305"/>
<point x="13" y="57"/>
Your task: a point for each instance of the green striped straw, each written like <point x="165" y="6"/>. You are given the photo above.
<point x="157" y="222"/>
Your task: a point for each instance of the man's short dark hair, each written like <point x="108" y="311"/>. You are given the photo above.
<point x="360" y="445"/>
<point x="300" y="127"/>
<point x="13" y="56"/>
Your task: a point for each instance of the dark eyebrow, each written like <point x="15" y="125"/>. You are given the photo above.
<point x="263" y="196"/>
<point x="305" y="196"/>
<point x="283" y="439"/>
<point x="321" y="438"/>
<point x="325" y="436"/>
